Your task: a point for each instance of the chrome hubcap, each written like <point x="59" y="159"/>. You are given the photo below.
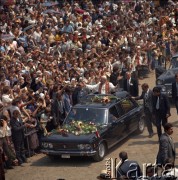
<point x="141" y="124"/>
<point x="101" y="150"/>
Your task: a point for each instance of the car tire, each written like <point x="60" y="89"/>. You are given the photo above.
<point x="101" y="152"/>
<point x="141" y="125"/>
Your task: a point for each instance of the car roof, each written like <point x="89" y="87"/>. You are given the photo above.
<point x="175" y="55"/>
<point x="101" y="100"/>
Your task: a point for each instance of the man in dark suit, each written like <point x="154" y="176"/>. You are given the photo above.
<point x="131" y="85"/>
<point x="116" y="77"/>
<point x="166" y="146"/>
<point x="17" y="128"/>
<point x="175" y="91"/>
<point x="128" y="169"/>
<point x="147" y="96"/>
<point x="161" y="109"/>
<point x="58" y="111"/>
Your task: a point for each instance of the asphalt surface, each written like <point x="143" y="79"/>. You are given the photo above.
<point x="139" y="148"/>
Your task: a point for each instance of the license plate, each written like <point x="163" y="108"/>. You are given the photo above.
<point x="65" y="156"/>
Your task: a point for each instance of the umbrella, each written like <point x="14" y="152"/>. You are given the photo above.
<point x="29" y="27"/>
<point x="49" y="4"/>
<point x="51" y="11"/>
<point x="7" y="37"/>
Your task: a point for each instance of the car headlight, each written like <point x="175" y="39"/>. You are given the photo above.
<point x="159" y="82"/>
<point x="50" y="145"/>
<point x="169" y="92"/>
<point x="163" y="89"/>
<point x="84" y="146"/>
<point x="45" y="145"/>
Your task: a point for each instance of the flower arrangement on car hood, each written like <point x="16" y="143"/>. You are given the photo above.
<point x="76" y="128"/>
<point x="103" y="99"/>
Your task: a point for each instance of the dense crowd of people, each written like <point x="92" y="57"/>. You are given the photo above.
<point x="53" y="53"/>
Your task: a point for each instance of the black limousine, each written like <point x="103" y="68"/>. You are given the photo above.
<point x="165" y="78"/>
<point x="94" y="125"/>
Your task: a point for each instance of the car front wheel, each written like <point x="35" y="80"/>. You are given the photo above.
<point x="141" y="125"/>
<point x="101" y="152"/>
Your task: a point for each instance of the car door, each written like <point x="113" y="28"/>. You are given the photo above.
<point x="130" y="115"/>
<point x="116" y="124"/>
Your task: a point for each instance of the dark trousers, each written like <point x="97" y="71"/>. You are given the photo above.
<point x="160" y="120"/>
<point x="2" y="172"/>
<point x="19" y="149"/>
<point x="3" y="144"/>
<point x="148" y="120"/>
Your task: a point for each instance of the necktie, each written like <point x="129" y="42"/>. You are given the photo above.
<point x="157" y="103"/>
<point x="146" y="99"/>
<point x="128" y="86"/>
<point x="60" y="107"/>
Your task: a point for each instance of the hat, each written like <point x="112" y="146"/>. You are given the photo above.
<point x="30" y="60"/>
<point x="39" y="72"/>
<point x="73" y="79"/>
<point x="103" y="174"/>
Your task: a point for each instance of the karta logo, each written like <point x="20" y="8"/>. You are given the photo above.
<point x="112" y="170"/>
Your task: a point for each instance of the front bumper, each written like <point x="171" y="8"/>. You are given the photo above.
<point x="70" y="153"/>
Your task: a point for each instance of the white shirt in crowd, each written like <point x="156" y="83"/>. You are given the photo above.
<point x="6" y="100"/>
<point x="5" y="132"/>
<point x="95" y="87"/>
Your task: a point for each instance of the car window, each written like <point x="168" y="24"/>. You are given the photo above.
<point x="175" y="71"/>
<point x="169" y="73"/>
<point x="97" y="116"/>
<point x="119" y="109"/>
<point x="126" y="105"/>
<point x="113" y="115"/>
<point x="174" y="62"/>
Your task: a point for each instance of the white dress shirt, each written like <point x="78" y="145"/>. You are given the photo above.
<point x="103" y="88"/>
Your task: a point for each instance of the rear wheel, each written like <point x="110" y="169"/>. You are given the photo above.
<point x="100" y="154"/>
<point x="141" y="125"/>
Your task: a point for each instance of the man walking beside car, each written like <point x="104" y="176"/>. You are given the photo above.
<point x="166" y="146"/>
<point x="175" y="91"/>
<point x="161" y="109"/>
<point x="147" y="96"/>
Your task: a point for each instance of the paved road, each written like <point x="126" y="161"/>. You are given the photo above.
<point x="139" y="148"/>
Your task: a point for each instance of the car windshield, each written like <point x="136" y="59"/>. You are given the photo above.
<point x="87" y="115"/>
<point x="174" y="62"/>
